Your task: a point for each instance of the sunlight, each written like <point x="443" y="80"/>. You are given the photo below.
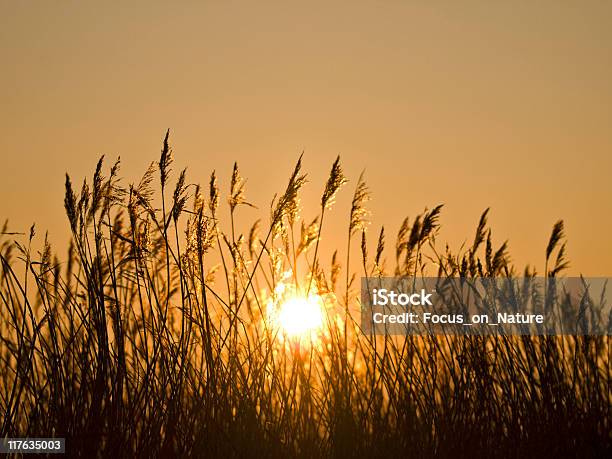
<point x="300" y="316"/>
<point x="295" y="314"/>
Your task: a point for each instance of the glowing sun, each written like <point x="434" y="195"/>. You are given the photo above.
<point x="299" y="316"/>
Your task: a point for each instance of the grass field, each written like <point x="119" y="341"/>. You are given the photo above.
<point x="169" y="331"/>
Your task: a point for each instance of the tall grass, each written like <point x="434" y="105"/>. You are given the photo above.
<point x="153" y="338"/>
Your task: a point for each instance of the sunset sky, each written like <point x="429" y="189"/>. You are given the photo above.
<point x="470" y="104"/>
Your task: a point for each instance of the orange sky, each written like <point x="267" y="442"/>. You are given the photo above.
<point x="471" y="104"/>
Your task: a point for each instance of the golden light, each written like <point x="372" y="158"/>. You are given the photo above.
<point x="300" y="316"/>
<point x="294" y="314"/>
<point x="295" y="317"/>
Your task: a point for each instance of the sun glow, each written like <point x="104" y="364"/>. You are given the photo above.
<point x="294" y="314"/>
<point x="300" y="316"/>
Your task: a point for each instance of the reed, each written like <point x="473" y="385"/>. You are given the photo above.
<point x="153" y="336"/>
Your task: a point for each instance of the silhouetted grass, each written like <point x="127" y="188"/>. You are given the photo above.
<point x="151" y="338"/>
